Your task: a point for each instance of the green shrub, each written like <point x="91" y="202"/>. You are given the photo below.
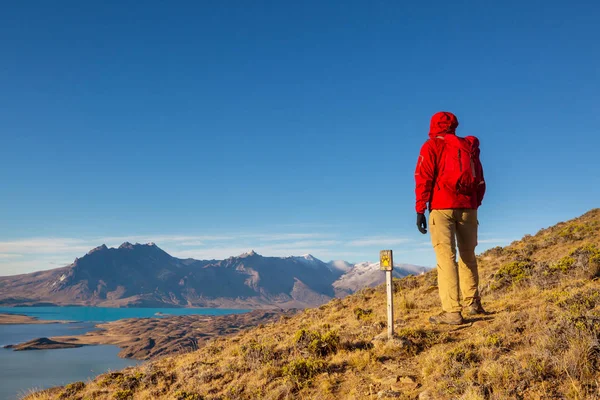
<point x="256" y="353"/>
<point x="71" y="389"/>
<point x="183" y="395"/>
<point x="360" y="313"/>
<point x="213" y="349"/>
<point x="589" y="254"/>
<point x="564" y="264"/>
<point x="493" y="340"/>
<point x="421" y="339"/>
<point x="121" y="380"/>
<point x="575" y="231"/>
<point x="123" y="395"/>
<point x="111" y="378"/>
<point x="512" y="272"/>
<point x="301" y="371"/>
<point x="464" y="355"/>
<point x="579" y="303"/>
<point x="317" y="344"/>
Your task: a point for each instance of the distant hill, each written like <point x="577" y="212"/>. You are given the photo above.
<point x="143" y="275"/>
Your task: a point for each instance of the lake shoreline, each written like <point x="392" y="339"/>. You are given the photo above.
<point x="13" y="319"/>
<point x="149" y="338"/>
<point x="43" y="344"/>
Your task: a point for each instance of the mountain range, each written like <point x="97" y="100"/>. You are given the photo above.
<point x="143" y="275"/>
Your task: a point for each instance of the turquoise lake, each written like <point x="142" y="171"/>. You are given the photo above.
<point x="21" y="371"/>
<point x="102" y="314"/>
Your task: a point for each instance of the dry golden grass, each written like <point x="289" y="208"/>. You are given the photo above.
<point x="541" y="342"/>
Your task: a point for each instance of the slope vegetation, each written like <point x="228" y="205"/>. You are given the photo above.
<point x="540" y="342"/>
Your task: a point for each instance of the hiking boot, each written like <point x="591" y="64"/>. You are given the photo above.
<point x="450" y="318"/>
<point x="476" y="308"/>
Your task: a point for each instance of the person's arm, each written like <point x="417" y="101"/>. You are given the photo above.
<point x="424" y="176"/>
<point x="481" y="189"/>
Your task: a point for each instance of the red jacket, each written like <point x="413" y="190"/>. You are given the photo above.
<point x="427" y="190"/>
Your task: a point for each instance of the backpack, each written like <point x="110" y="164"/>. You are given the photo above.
<point x="461" y="171"/>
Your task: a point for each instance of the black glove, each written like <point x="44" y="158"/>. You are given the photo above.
<point x="422" y="223"/>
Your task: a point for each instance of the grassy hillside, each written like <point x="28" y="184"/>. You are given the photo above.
<point x="541" y="341"/>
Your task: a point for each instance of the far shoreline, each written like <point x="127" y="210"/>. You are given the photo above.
<point x="149" y="338"/>
<point x="16" y="319"/>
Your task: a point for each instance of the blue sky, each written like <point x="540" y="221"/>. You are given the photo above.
<point x="212" y="128"/>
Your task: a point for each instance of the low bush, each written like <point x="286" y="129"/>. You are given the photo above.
<point x="183" y="395"/>
<point x="316" y="344"/>
<point x="511" y="273"/>
<point x="361" y="313"/>
<point x="302" y="371"/>
<point x="71" y="390"/>
<point x="123" y="395"/>
<point x="256" y="353"/>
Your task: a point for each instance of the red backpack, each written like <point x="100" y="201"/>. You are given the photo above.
<point x="461" y="171"/>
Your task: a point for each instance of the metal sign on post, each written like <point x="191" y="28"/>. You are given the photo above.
<point x="386" y="263"/>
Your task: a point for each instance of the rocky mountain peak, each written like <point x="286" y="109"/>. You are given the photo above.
<point x="250" y="253"/>
<point x="99" y="248"/>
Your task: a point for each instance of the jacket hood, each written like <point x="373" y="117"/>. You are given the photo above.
<point x="443" y="123"/>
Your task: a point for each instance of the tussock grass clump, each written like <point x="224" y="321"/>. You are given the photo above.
<point x="407" y="302"/>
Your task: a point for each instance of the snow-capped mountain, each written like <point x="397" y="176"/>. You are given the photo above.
<point x="144" y="275"/>
<point x="368" y="274"/>
<point x="340" y="266"/>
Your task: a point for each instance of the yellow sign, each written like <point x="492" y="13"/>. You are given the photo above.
<point x="386" y="260"/>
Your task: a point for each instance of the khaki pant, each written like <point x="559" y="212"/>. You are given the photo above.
<point x="448" y="227"/>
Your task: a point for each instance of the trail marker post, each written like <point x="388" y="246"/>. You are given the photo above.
<point x="386" y="263"/>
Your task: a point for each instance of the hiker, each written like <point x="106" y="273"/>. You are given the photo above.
<point x="449" y="177"/>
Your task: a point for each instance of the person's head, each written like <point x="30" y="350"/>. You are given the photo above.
<point x="443" y="123"/>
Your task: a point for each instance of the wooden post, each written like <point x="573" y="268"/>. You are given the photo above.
<point x="386" y="263"/>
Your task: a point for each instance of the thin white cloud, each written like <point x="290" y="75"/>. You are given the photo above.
<point x="43" y="245"/>
<point x="10" y="255"/>
<point x="192" y="243"/>
<point x="378" y="241"/>
<point x="24" y="266"/>
<point x="220" y="253"/>
<point x="56" y="245"/>
<point x="274" y="237"/>
<point x="162" y="238"/>
<point x="31" y="254"/>
<point x="211" y="253"/>
<point x="308" y="244"/>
